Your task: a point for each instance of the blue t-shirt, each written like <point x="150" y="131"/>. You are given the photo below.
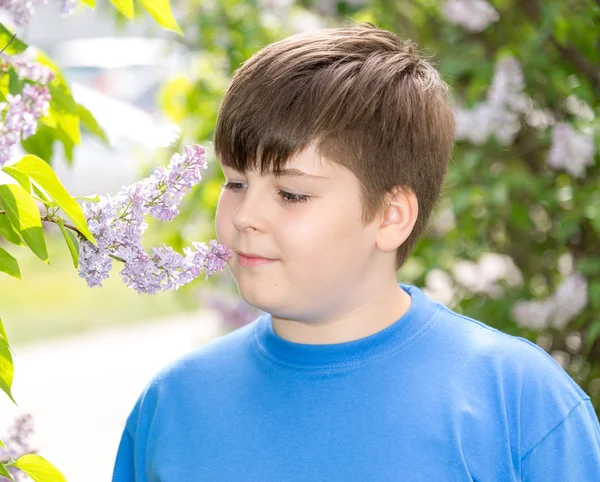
<point x="434" y="397"/>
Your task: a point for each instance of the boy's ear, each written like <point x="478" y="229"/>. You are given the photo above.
<point x="398" y="219"/>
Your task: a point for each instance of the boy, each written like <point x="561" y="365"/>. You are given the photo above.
<point x="348" y="375"/>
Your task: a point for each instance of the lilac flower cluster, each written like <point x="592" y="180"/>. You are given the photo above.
<point x="27" y="68"/>
<point x="118" y="223"/>
<point x="499" y="114"/>
<point x="570" y="150"/>
<point x="473" y="15"/>
<point x="22" y="10"/>
<point x="569" y="299"/>
<point x="20" y="113"/>
<point x="17" y="443"/>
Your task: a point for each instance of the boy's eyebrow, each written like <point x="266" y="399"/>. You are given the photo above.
<point x="293" y="172"/>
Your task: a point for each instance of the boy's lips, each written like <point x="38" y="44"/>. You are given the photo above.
<point x="253" y="255"/>
<point x="253" y="261"/>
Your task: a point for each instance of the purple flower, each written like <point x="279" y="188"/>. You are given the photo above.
<point x="22" y="10"/>
<point x="119" y="222"/>
<point x="17" y="442"/>
<point x="27" y="68"/>
<point x="21" y="118"/>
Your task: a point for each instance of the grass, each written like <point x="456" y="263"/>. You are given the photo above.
<point x="53" y="301"/>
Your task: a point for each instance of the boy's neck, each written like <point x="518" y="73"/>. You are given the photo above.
<point x="360" y="323"/>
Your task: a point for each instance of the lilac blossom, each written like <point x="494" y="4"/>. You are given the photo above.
<point x="500" y="113"/>
<point x="23" y="10"/>
<point x="27" y="68"/>
<point x="473" y="15"/>
<point x="118" y="223"/>
<point x="570" y="150"/>
<point x="568" y="300"/>
<point x="485" y="275"/>
<point x="17" y="443"/>
<point x="20" y="121"/>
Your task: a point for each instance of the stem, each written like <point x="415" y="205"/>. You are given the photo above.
<point x="7" y="45"/>
<point x="116" y="257"/>
<point x="49" y="219"/>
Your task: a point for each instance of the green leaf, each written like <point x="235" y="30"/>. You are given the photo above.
<point x="15" y="85"/>
<point x="42" y="174"/>
<point x="7" y="369"/>
<point x="594" y="291"/>
<point x="18" y="176"/>
<point x="72" y="243"/>
<point x="69" y="125"/>
<point x="62" y="100"/>
<point x="24" y="216"/>
<point x="519" y="216"/>
<point x="3" y="335"/>
<point x="561" y="29"/>
<point x="90" y="3"/>
<point x="15" y="47"/>
<point x="90" y="123"/>
<point x="38" y="468"/>
<point x="125" y="7"/>
<point x="8" y="232"/>
<point x="8" y="264"/>
<point x="592" y="334"/>
<point x="67" y="143"/>
<point x="3" y="471"/>
<point x="161" y="12"/>
<point x="41" y="143"/>
<point x="92" y="199"/>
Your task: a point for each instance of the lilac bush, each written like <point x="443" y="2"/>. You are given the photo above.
<point x="118" y="223"/>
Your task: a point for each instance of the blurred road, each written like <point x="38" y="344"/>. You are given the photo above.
<point x="80" y="389"/>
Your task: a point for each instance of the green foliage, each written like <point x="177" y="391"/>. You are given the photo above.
<point x="40" y="172"/>
<point x="24" y="217"/>
<point x="38" y="468"/>
<point x="8" y="264"/>
<point x="7" y="369"/>
<point x="3" y="471"/>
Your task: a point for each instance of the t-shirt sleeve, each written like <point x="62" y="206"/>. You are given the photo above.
<point x="569" y="452"/>
<point x="123" y="470"/>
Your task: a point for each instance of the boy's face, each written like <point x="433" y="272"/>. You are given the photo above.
<point x="325" y="259"/>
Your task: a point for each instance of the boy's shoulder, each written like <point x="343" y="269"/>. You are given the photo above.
<point x="512" y="357"/>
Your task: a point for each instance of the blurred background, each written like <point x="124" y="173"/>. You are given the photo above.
<point x="514" y="241"/>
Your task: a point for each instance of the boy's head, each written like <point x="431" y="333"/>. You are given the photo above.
<point x="356" y="105"/>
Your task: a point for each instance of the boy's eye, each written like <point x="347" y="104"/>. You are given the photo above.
<point x="287" y="197"/>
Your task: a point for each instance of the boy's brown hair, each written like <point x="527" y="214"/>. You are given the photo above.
<point x="366" y="99"/>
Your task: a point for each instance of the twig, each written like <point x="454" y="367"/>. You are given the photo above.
<point x="50" y="220"/>
<point x="8" y="44"/>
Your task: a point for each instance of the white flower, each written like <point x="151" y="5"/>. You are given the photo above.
<point x="568" y="300"/>
<point x="483" y="276"/>
<point x="500" y="113"/>
<point x="570" y="150"/>
<point x="474" y="15"/>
